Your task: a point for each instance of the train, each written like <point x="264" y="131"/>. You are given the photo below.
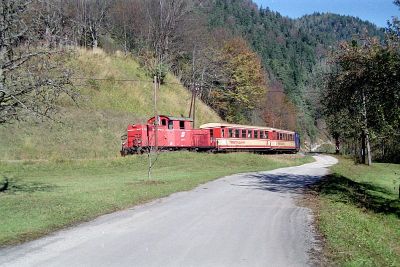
<point x="168" y="133"/>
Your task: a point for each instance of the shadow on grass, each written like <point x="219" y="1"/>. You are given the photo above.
<point x="15" y="186"/>
<point x="146" y="182"/>
<point x="363" y="195"/>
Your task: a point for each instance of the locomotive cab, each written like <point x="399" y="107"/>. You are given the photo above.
<point x="167" y="133"/>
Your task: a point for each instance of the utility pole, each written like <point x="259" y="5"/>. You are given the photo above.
<point x="194" y="106"/>
<point x="155" y="131"/>
<point x="191" y="103"/>
<point x="156" y="85"/>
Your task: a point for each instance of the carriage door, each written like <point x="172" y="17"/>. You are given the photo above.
<point x="162" y="132"/>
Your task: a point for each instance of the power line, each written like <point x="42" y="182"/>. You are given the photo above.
<point x="150" y="81"/>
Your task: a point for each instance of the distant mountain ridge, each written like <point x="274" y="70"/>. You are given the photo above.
<point x="328" y="28"/>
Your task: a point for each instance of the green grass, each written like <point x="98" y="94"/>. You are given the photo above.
<point x="93" y="129"/>
<point x="46" y="196"/>
<point x="359" y="214"/>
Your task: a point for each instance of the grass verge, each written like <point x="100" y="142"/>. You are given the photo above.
<point x="45" y="196"/>
<point x="358" y="214"/>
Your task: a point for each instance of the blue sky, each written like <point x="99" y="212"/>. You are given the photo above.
<point x="376" y="11"/>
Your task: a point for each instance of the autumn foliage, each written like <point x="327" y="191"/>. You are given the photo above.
<point x="245" y="87"/>
<point x="278" y="110"/>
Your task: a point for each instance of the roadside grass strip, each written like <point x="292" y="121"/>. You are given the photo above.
<point x="359" y="214"/>
<point x="46" y="196"/>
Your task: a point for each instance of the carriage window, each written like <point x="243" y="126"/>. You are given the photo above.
<point x="181" y="125"/>
<point x="237" y="133"/>
<point x="256" y="134"/>
<point x="163" y="122"/>
<point x="211" y="133"/>
<point x="266" y="135"/>
<point x="222" y="132"/>
<point x="249" y="133"/>
<point x="230" y="133"/>
<point x="243" y="133"/>
<point x="170" y="125"/>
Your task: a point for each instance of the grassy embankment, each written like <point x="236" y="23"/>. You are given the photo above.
<point x="46" y="196"/>
<point x="93" y="129"/>
<point x="359" y="214"/>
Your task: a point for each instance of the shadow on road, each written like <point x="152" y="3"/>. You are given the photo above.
<point x="281" y="183"/>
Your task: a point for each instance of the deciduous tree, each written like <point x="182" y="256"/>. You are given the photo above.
<point x="246" y="82"/>
<point x="32" y="77"/>
<point x="363" y="93"/>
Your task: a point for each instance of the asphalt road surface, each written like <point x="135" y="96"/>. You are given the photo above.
<point x="239" y="220"/>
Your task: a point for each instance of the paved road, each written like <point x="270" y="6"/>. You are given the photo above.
<point x="240" y="220"/>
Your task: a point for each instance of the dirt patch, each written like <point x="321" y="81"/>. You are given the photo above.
<point x="319" y="254"/>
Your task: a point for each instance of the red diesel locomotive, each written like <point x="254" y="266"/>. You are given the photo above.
<point x="173" y="133"/>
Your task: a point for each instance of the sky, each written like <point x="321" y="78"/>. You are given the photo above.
<point x="375" y="11"/>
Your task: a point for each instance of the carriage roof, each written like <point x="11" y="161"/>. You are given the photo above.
<point x="239" y="126"/>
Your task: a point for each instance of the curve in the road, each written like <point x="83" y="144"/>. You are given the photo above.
<point x="239" y="220"/>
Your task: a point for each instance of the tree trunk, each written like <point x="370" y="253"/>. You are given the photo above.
<point x="337" y="145"/>
<point x="365" y="129"/>
<point x="363" y="158"/>
<point x="368" y="147"/>
<point x="95" y="43"/>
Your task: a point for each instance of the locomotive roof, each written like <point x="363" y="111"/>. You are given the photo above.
<point x="219" y="125"/>
<point x="174" y="118"/>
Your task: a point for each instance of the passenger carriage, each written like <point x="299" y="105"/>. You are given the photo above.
<point x="236" y="137"/>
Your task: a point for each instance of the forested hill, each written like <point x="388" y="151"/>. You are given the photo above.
<point x="289" y="48"/>
<point x="327" y="28"/>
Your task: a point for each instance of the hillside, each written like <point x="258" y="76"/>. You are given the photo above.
<point x="92" y="128"/>
<point x="290" y="49"/>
